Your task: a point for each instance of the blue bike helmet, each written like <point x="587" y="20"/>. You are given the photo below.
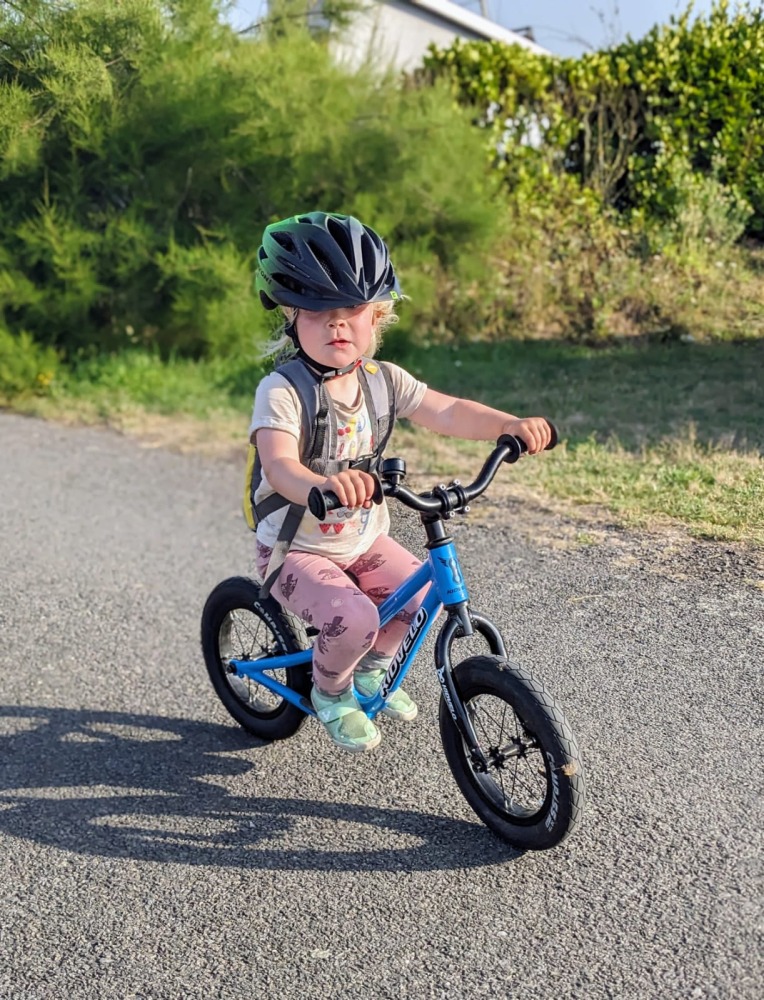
<point x="322" y="261"/>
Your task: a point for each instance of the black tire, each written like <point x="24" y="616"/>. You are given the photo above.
<point x="533" y="793"/>
<point x="236" y="624"/>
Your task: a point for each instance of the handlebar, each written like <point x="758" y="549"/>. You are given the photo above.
<point x="441" y="500"/>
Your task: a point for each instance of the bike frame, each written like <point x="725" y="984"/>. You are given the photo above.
<point x="446" y="590"/>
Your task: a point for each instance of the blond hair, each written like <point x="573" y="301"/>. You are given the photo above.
<point x="282" y="347"/>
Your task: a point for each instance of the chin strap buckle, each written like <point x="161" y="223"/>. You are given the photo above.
<point x="326" y="373"/>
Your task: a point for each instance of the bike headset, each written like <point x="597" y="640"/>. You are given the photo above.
<point x="321" y="261"/>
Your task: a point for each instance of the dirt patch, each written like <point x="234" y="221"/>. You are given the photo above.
<point x="667" y="548"/>
<point x="219" y="437"/>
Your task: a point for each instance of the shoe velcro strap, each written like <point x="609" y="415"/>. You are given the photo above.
<point x="334" y="712"/>
<point x="368" y="682"/>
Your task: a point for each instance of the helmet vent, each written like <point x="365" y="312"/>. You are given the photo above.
<point x="288" y="282"/>
<point x="285" y="241"/>
<point x="371" y="260"/>
<point x="323" y="260"/>
<point x="341" y="236"/>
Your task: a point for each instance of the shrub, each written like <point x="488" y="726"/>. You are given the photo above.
<point x="691" y="88"/>
<point x="26" y="368"/>
<point x="698" y="213"/>
<point x="145" y="146"/>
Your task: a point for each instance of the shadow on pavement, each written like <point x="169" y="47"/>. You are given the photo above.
<point x="144" y="787"/>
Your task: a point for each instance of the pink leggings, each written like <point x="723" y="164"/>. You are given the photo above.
<point x="344" y="609"/>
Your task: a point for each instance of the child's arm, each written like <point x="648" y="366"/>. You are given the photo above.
<point x="287" y="475"/>
<point x="465" y="418"/>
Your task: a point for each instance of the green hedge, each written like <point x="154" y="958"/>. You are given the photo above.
<point x="631" y="122"/>
<point x="144" y="146"/>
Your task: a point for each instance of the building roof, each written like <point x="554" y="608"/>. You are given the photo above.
<point x="475" y="23"/>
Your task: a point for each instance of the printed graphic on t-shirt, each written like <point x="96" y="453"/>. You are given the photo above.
<point x="364" y="520"/>
<point x="350" y="433"/>
<point x="336" y="521"/>
<point x="353" y="440"/>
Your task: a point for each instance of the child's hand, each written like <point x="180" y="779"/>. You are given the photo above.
<point x="535" y="431"/>
<point x="353" y="487"/>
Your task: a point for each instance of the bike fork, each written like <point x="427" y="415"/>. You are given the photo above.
<point x="462" y="622"/>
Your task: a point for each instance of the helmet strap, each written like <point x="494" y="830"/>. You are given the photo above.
<point x="326" y="373"/>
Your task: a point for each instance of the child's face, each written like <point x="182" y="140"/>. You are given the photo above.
<point x="336" y="337"/>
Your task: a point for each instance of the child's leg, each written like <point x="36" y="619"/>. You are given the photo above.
<point x="318" y="591"/>
<point x="379" y="572"/>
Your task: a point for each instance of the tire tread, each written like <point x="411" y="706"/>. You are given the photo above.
<point x="242" y="593"/>
<point x="530" y="698"/>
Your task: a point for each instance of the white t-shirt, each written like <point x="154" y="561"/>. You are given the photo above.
<point x="346" y="533"/>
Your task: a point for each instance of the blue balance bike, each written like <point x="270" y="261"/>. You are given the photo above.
<point x="506" y="739"/>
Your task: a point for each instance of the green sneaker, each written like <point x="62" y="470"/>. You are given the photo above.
<point x="344" y="721"/>
<point x="398" y="705"/>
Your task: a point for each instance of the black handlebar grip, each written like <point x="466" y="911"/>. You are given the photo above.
<point x="552" y="442"/>
<point x="379" y="493"/>
<point x="518" y="447"/>
<point x="319" y="504"/>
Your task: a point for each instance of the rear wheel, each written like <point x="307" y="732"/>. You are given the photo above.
<point x="532" y="794"/>
<point x="238" y="625"/>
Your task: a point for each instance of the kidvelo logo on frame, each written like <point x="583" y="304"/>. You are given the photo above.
<point x="456" y="573"/>
<point x="408" y="641"/>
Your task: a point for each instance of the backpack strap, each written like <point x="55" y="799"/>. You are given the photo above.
<point x="305" y="385"/>
<point x="286" y="535"/>
<point x="316" y="413"/>
<point x="377" y="387"/>
<point x="315" y="405"/>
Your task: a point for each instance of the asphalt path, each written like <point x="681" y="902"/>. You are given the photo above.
<point x="149" y="849"/>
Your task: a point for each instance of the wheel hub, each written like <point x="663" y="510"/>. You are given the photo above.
<point x="499" y="756"/>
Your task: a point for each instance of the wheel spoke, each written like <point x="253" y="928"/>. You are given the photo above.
<point x="237" y="625"/>
<point x="516" y="777"/>
<point x="244" y="636"/>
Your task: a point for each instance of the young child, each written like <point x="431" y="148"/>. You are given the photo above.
<point x="333" y="279"/>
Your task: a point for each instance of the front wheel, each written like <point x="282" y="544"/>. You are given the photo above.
<point x="238" y="625"/>
<point x="532" y="794"/>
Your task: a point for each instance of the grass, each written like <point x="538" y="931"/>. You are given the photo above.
<point x="652" y="433"/>
<point x="636" y="392"/>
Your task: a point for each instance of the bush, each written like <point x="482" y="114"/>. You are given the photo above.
<point x="144" y="146"/>
<point x="613" y="119"/>
<point x="26" y="368"/>
<point x="697" y="211"/>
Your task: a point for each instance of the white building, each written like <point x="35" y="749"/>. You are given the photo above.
<point x="396" y="33"/>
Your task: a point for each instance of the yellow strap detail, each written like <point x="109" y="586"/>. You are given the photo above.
<point x="371" y="368"/>
<point x="249" y="513"/>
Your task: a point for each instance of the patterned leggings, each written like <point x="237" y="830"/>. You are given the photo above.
<point x="344" y="609"/>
